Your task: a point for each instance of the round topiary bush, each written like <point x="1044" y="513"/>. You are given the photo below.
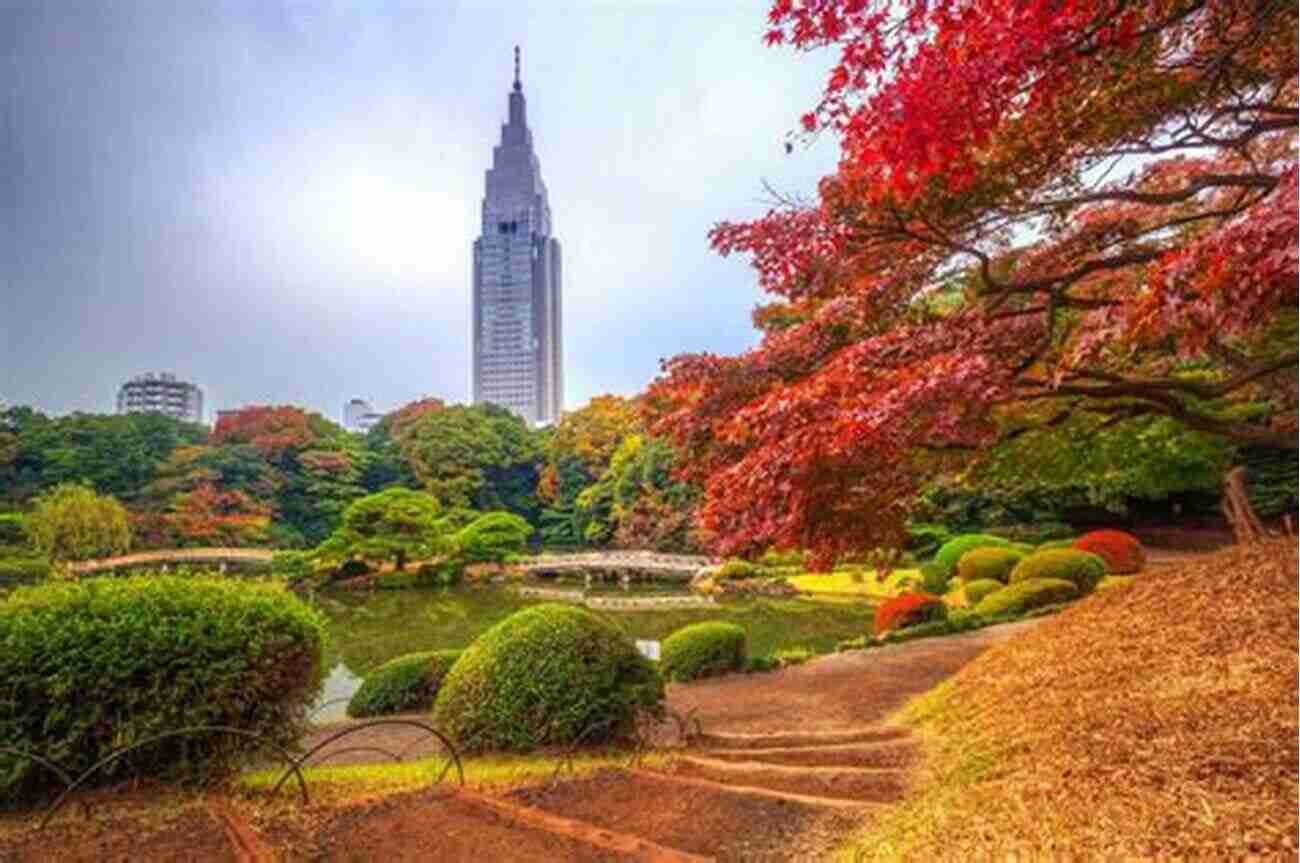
<point x="988" y="563"/>
<point x="1023" y="596"/>
<point x="92" y="666"/>
<point x="980" y="588"/>
<point x="909" y="609"/>
<point x="492" y="537"/>
<point x="550" y="674"/>
<point x="1080" y="568"/>
<point x="1056" y="543"/>
<point x="951" y="551"/>
<point x="406" y="683"/>
<point x="1121" y="551"/>
<point x="736" y="569"/>
<point x="703" y="650"/>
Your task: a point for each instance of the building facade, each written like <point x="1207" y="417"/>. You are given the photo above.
<point x="359" y="416"/>
<point x="161" y="393"/>
<point x="518" y="360"/>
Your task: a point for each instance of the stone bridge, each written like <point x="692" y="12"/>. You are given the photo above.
<point x="167" y="557"/>
<point x="618" y="564"/>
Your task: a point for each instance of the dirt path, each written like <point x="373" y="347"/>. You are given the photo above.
<point x="787" y="765"/>
<point x="789" y="762"/>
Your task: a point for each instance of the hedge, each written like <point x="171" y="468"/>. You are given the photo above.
<point x="1022" y="596"/>
<point x="908" y="609"/>
<point x="1121" y="551"/>
<point x="703" y="650"/>
<point x="1080" y="568"/>
<point x="980" y="588"/>
<point x="988" y="563"/>
<point x="403" y="684"/>
<point x="551" y="674"/>
<point x="89" y="667"/>
<point x="24" y="569"/>
<point x="951" y="551"/>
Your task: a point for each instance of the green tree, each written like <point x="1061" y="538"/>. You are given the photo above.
<point x="482" y="457"/>
<point x="71" y="522"/>
<point x="396" y="524"/>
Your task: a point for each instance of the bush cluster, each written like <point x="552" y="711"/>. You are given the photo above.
<point x="92" y="666"/>
<point x="403" y="684"/>
<point x="1121" y="551"/>
<point x="703" y="650"/>
<point x="951" y="551"/>
<point x="988" y="562"/>
<point x="547" y="675"/>
<point x="934" y="579"/>
<point x="12" y="530"/>
<point x="980" y="588"/>
<point x="1080" y="568"/>
<point x="1021" y="596"/>
<point x="908" y="609"/>
<point x="736" y="569"/>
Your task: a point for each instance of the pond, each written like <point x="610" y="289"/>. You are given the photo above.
<point x="367" y="629"/>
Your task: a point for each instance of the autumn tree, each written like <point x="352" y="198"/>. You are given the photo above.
<point x="576" y="454"/>
<point x="71" y="522"/>
<point x="1104" y="195"/>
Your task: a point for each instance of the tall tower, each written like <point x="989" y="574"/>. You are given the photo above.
<point x="518" y="351"/>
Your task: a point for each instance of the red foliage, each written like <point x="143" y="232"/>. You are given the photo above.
<point x="1121" y="551"/>
<point x="404" y="417"/>
<point x="907" y="609"/>
<point x="273" y="430"/>
<point x="1056" y="202"/>
<point x="208" y="516"/>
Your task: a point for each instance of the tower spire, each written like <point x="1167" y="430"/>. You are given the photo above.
<point x="518" y="86"/>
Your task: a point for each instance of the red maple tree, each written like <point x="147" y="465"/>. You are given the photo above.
<point x="1040" y="208"/>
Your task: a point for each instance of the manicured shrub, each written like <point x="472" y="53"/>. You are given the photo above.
<point x="1021" y="596"/>
<point x="1121" y="551"/>
<point x="1112" y="581"/>
<point x="1080" y="568"/>
<point x="934" y="579"/>
<point x="1053" y="544"/>
<point x="89" y="667"/>
<point x="403" y="684"/>
<point x="491" y="537"/>
<point x="908" y="609"/>
<point x="550" y="674"/>
<point x="988" y="562"/>
<point x="736" y="569"/>
<point x="14" y="569"/>
<point x="980" y="588"/>
<point x="783" y="558"/>
<point x="703" y="650"/>
<point x="924" y="540"/>
<point x="952" y="550"/>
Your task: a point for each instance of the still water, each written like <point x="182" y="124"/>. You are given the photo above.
<point x="367" y="629"/>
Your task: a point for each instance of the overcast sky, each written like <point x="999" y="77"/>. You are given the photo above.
<point x="276" y="199"/>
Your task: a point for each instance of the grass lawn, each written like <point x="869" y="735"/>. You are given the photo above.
<point x="842" y="582"/>
<point x="342" y="781"/>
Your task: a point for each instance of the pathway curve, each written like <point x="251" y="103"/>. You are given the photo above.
<point x="789" y="764"/>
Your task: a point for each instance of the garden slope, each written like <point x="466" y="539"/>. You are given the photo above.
<point x="1157" y="720"/>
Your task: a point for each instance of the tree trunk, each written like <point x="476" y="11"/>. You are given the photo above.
<point x="1246" y="525"/>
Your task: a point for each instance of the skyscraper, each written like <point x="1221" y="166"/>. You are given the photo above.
<point x="517" y="343"/>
